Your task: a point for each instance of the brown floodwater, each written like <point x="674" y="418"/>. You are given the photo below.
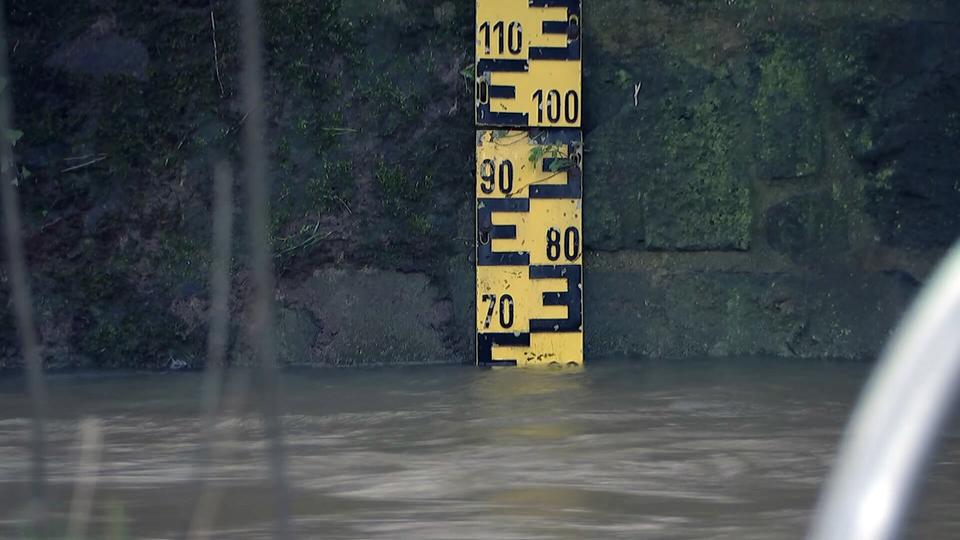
<point x="720" y="450"/>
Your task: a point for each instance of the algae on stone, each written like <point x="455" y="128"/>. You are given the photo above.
<point x="810" y="228"/>
<point x="702" y="199"/>
<point x="790" y="133"/>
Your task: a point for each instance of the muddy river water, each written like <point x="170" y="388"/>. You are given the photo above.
<point x="721" y="450"/>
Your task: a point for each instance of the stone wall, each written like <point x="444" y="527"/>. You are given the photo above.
<point x="782" y="185"/>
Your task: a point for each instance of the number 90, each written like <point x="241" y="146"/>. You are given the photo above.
<point x="488" y="176"/>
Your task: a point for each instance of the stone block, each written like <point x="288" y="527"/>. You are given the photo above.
<point x="374" y="317"/>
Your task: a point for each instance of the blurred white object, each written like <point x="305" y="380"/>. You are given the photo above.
<point x="897" y="423"/>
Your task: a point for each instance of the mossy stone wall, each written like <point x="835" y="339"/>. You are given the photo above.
<point x="780" y="185"/>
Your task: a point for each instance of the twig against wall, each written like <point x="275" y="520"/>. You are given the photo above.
<point x="89" y="162"/>
<point x="216" y="49"/>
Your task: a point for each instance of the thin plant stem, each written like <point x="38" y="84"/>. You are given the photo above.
<point x="20" y="290"/>
<point x="262" y="328"/>
<point x="205" y="511"/>
<point x="217" y="337"/>
<point x="91" y="447"/>
<point x="219" y="293"/>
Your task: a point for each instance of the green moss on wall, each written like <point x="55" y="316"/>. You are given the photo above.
<point x="371" y="142"/>
<point x="790" y="133"/>
<point x="401" y="190"/>
<point x="703" y="200"/>
<point x="331" y="185"/>
<point x="809" y="228"/>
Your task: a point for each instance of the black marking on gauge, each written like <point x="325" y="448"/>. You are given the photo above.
<point x="501" y="65"/>
<point x="569" y="4"/>
<point x="570" y="52"/>
<point x="487" y="91"/>
<point x="485" y="343"/>
<point x="556" y="136"/>
<point x="487" y="232"/>
<point x="570" y="27"/>
<point x="572" y="298"/>
<point x="573" y="189"/>
<point x="503" y="92"/>
<point x="504" y="119"/>
<point x="555" y="27"/>
<point x="553" y="363"/>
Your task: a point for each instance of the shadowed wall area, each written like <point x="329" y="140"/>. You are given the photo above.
<point x="780" y="185"/>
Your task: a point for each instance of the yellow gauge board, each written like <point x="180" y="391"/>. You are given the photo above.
<point x="528" y="70"/>
<point x="529" y="293"/>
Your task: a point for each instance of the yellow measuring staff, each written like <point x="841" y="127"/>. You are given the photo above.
<point x="528" y="66"/>
<point x="529" y="184"/>
<point x="529" y="248"/>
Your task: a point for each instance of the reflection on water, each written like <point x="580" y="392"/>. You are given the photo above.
<point x="648" y="450"/>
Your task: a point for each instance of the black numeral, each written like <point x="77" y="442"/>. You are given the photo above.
<point x="538" y="97"/>
<point x="488" y="176"/>
<point x="571" y="244"/>
<point x="552" y="106"/>
<point x="487" y="173"/>
<point x="515" y="41"/>
<point x="509" y="38"/>
<point x="506" y="177"/>
<point x="506" y="310"/>
<point x="572" y="107"/>
<point x="492" y="298"/>
<point x="553" y="244"/>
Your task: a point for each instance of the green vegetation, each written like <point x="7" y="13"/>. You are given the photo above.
<point x="398" y="187"/>
<point x="540" y="152"/>
<point x="469" y="75"/>
<point x="744" y="106"/>
<point x="420" y="224"/>
<point x="331" y="185"/>
<point x="394" y="105"/>
<point x="707" y="203"/>
<point x="181" y="256"/>
<point x="624" y="80"/>
<point x="791" y="140"/>
<point x="404" y="195"/>
<point x="12" y="137"/>
<point x="299" y="35"/>
<point x="112" y="339"/>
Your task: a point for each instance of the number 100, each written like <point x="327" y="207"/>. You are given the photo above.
<point x="556" y="106"/>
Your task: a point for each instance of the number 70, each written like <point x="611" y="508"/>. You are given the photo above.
<point x="506" y="310"/>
